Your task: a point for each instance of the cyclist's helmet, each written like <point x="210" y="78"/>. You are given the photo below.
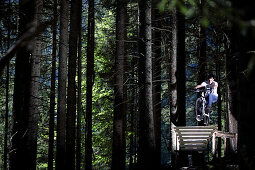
<point x="210" y="76"/>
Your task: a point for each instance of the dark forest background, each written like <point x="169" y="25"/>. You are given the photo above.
<point x="99" y="84"/>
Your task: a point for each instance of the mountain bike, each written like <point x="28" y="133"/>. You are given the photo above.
<point x="201" y="106"/>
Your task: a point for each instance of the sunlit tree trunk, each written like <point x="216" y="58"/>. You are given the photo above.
<point x="173" y="68"/>
<point x="52" y="91"/>
<point x="89" y="84"/>
<point x="62" y="77"/>
<point x="178" y="74"/>
<point x="120" y="98"/>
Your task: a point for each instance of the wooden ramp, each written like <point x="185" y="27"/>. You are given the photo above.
<point x="192" y="138"/>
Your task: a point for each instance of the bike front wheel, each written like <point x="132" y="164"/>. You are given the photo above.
<point x="199" y="109"/>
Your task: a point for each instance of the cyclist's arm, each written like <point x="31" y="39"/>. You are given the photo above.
<point x="215" y="85"/>
<point x="198" y="86"/>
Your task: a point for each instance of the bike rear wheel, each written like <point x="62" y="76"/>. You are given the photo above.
<point x="199" y="109"/>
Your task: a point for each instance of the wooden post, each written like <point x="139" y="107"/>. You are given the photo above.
<point x="214" y="145"/>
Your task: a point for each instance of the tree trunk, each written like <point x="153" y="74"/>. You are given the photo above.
<point x="89" y="83"/>
<point x="178" y="75"/>
<point x="181" y="69"/>
<point x="219" y="102"/>
<point x="243" y="52"/>
<point x="202" y="55"/>
<point x="201" y="46"/>
<point x="232" y="102"/>
<point x="157" y="59"/>
<point x="173" y="69"/>
<point x="120" y="105"/>
<point x="6" y="124"/>
<point x="75" y="21"/>
<point x="34" y="95"/>
<point x="52" y="91"/>
<point x="79" y="104"/>
<point x="25" y="98"/>
<point x="132" y="113"/>
<point x="146" y="150"/>
<point x="62" y="76"/>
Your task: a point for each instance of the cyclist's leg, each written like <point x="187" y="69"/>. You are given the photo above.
<point x="207" y="108"/>
<point x="212" y="99"/>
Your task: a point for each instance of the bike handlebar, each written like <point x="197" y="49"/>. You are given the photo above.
<point x="201" y="89"/>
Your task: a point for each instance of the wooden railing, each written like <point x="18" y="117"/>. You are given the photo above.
<point x="225" y="136"/>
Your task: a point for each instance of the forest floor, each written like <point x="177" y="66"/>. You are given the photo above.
<point x="216" y="164"/>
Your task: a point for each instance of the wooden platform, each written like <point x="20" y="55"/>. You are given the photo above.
<point x="192" y="138"/>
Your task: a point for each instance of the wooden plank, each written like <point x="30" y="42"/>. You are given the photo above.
<point x="194" y="137"/>
<point x="193" y="142"/>
<point x="194" y="149"/>
<point x="194" y="146"/>
<point x="194" y="132"/>
<point x="225" y="134"/>
<point x="195" y="127"/>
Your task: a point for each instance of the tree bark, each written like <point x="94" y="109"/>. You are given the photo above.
<point x="219" y="102"/>
<point x="62" y="76"/>
<point x="120" y="98"/>
<point x="181" y="69"/>
<point x="157" y="60"/>
<point x="173" y="69"/>
<point x="243" y="53"/>
<point x="75" y="16"/>
<point x="79" y="104"/>
<point x="6" y="124"/>
<point x="146" y="148"/>
<point x="34" y="95"/>
<point x="132" y="113"/>
<point x="201" y="46"/>
<point x="52" y="91"/>
<point x="89" y="84"/>
<point x="25" y="99"/>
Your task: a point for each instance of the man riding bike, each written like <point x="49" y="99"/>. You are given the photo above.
<point x="213" y="95"/>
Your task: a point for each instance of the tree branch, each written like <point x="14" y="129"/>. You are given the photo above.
<point x="32" y="32"/>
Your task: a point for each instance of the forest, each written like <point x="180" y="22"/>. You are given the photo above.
<point x="101" y="84"/>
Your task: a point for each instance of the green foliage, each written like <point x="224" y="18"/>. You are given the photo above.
<point x="103" y="89"/>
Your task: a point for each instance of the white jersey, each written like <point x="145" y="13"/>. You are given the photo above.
<point x="213" y="90"/>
